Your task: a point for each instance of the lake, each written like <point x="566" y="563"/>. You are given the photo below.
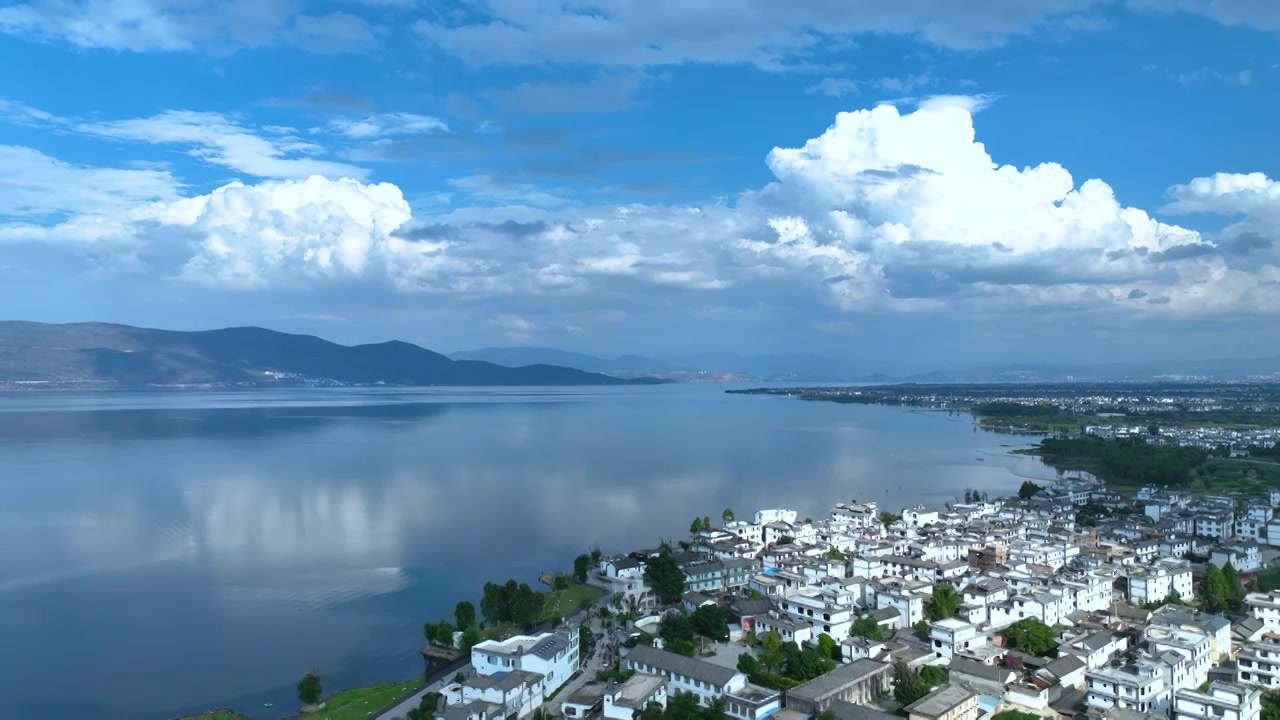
<point x="163" y="553"/>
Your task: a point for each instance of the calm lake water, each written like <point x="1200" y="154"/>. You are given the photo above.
<point x="170" y="552"/>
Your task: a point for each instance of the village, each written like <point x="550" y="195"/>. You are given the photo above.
<point x="1064" y="601"/>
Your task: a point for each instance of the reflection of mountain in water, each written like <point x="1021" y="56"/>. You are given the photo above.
<point x="150" y="423"/>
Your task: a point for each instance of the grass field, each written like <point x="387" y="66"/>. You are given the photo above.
<point x="1222" y="475"/>
<point x="563" y="603"/>
<point x="217" y="715"/>
<point x="360" y="703"/>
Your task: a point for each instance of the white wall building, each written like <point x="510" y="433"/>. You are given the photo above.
<point x="950" y="637"/>
<point x="1157" y="581"/>
<point x="625" y="701"/>
<point x="1265" y="607"/>
<point x="1221" y="701"/>
<point x="554" y="655"/>
<point x="1139" y="686"/>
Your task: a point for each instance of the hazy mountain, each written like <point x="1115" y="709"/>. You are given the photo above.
<point x="122" y="356"/>
<point x="1220" y="369"/>
<point x="517" y="356"/>
<point x="795" y="366"/>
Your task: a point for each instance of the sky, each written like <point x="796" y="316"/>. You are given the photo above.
<point x="905" y="183"/>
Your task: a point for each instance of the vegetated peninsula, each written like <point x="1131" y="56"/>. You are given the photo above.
<point x="1055" y="408"/>
<point x="106" y="356"/>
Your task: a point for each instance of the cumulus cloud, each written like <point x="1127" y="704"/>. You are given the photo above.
<point x="277" y="233"/>
<point x="885" y="210"/>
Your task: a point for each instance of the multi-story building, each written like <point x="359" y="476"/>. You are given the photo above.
<point x="1192" y="645"/>
<point x="1258" y="663"/>
<point x="1265" y="607"/>
<point x="949" y="702"/>
<point x="1220" y="701"/>
<point x="951" y="637"/>
<point x="828" y="609"/>
<point x="553" y="655"/>
<point x="1158" y="581"/>
<point x="706" y="681"/>
<point x="719" y="576"/>
<point x="1139" y="686"/>
<point x="626" y="700"/>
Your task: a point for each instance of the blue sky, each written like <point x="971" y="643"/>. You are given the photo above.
<point x="893" y="182"/>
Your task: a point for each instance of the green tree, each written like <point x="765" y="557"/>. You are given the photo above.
<point x="676" y="627"/>
<point x="711" y="621"/>
<point x="309" y="689"/>
<point x="835" y="554"/>
<point x="440" y="633"/>
<point x="727" y="515"/>
<point x="747" y="663"/>
<point x="581" y="566"/>
<point x="826" y="715"/>
<point x="1215" y="594"/>
<point x="706" y="522"/>
<point x="652" y="711"/>
<point x="1031" y="636"/>
<point x="887" y="518"/>
<point x="907" y="687"/>
<point x="716" y="710"/>
<point x="561" y="582"/>
<point x="771" y="657"/>
<point x="464" y="614"/>
<point x="663" y="575"/>
<point x="867" y="627"/>
<point x="684" y="706"/>
<point x="695" y="527"/>
<point x="944" y="603"/>
<point x="828" y="647"/>
<point x="1235" y="588"/>
<point x="471" y="637"/>
<point x="684" y="647"/>
<point x="1028" y="490"/>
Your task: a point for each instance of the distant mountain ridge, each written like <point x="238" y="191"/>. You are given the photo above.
<point x="107" y="355"/>
<point x="818" y="368"/>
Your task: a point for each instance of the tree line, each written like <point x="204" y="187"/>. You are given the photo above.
<point x="1126" y="460"/>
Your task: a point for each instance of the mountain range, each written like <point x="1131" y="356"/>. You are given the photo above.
<point x="106" y="355"/>
<point x="817" y="368"/>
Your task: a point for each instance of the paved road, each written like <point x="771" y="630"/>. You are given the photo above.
<point x="402" y="710"/>
<point x="590" y="666"/>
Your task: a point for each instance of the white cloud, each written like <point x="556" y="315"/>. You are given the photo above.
<point x="834" y="87"/>
<point x="281" y="233"/>
<point x="219" y="140"/>
<point x="34" y="186"/>
<point x="384" y="125"/>
<point x="770" y="34"/>
<point x="885" y="210"/>
<point x="183" y="25"/>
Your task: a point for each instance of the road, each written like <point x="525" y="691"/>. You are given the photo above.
<point x="402" y="710"/>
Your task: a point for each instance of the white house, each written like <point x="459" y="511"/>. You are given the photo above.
<point x="920" y="516"/>
<point x="1139" y="686"/>
<point x="764" y="517"/>
<point x="1258" y="663"/>
<point x="706" y="681"/>
<point x="622" y="567"/>
<point x="788" y="628"/>
<point x="1096" y="649"/>
<point x="625" y="701"/>
<point x="1221" y="701"/>
<point x="1157" y="581"/>
<point x="1265" y="607"/>
<point x="1192" y="645"/>
<point x="950" y="637"/>
<point x="553" y="655"/>
<point x="1244" y="557"/>
<point x="828" y="610"/>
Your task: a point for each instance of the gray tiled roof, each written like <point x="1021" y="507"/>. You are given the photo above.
<point x="848" y="711"/>
<point x="669" y="662"/>
<point x="823" y="686"/>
